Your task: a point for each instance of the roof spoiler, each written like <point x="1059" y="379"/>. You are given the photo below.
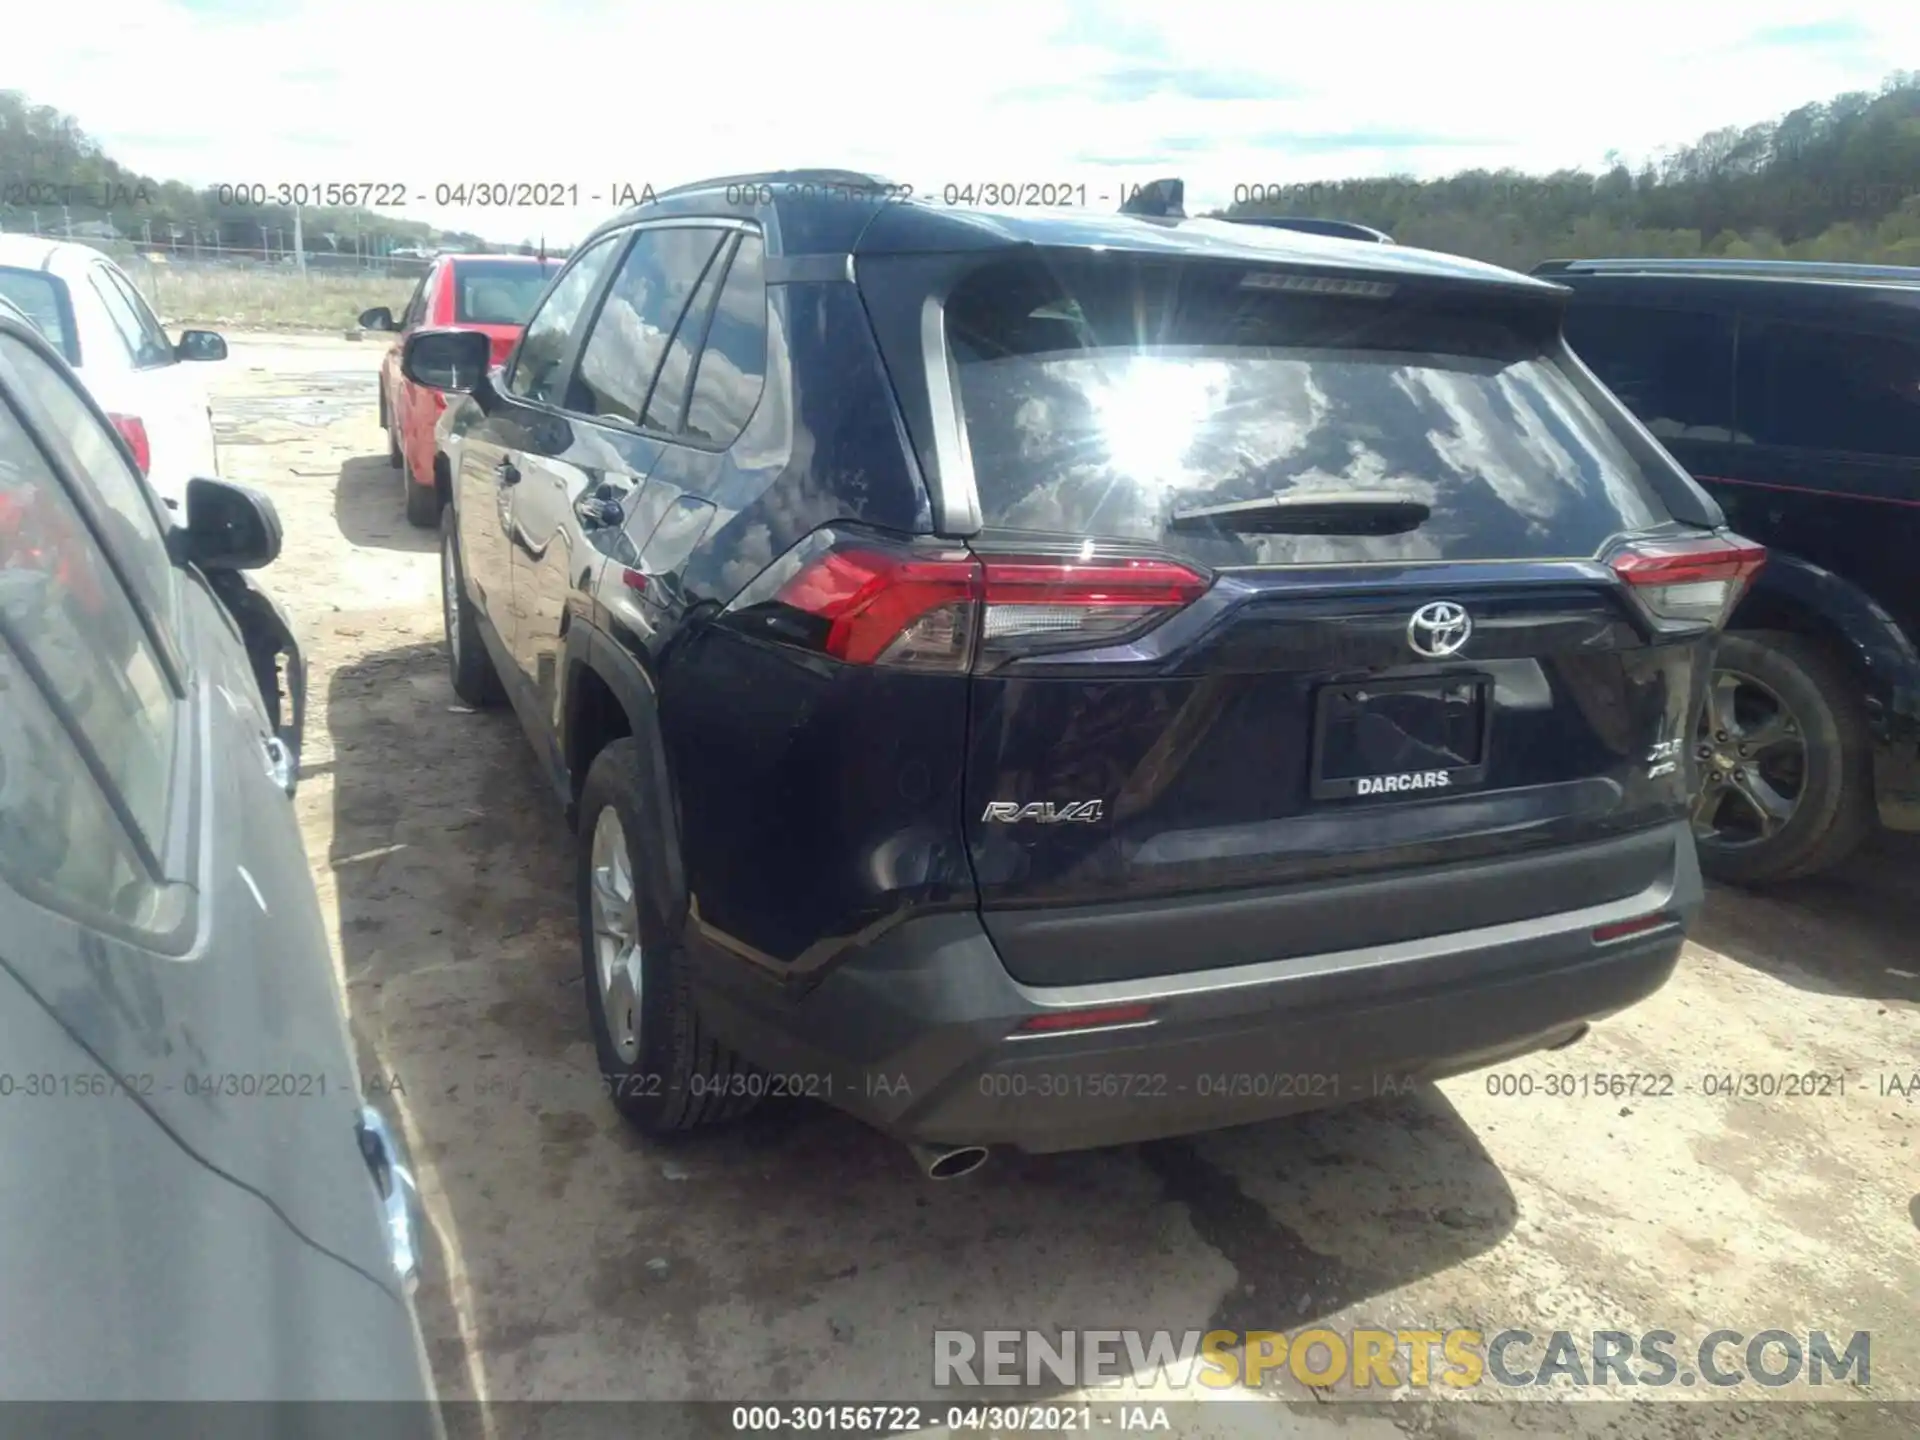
<point x="1314" y="225"/>
<point x="1165" y="199"/>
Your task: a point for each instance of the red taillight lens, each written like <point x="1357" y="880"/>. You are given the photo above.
<point x="1694" y="579"/>
<point x="1086" y="602"/>
<point x="940" y="611"/>
<point x="874" y="602"/>
<point x="134" y="432"/>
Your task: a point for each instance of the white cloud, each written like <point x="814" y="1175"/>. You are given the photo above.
<point x="594" y="93"/>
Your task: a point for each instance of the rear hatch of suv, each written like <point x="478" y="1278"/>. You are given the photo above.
<point x="1295" y="600"/>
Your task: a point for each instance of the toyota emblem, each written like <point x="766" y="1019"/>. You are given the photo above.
<point x="1439" y="629"/>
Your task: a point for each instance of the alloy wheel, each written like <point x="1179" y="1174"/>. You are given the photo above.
<point x="1752" y="750"/>
<point x="616" y="935"/>
<point x="450" y="596"/>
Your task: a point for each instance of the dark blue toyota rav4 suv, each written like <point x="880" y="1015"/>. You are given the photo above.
<point x="1059" y="680"/>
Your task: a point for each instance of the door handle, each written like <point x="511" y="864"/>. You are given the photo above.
<point x="507" y="472"/>
<point x="283" y="766"/>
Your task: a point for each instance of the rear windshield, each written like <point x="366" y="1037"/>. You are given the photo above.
<point x="1100" y="399"/>
<point x="496" y="293"/>
<point x="41" y="299"/>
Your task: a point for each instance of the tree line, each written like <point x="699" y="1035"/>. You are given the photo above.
<point x="58" y="180"/>
<point x="1835" y="180"/>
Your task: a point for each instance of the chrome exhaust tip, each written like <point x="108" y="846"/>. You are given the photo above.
<point x="948" y="1162"/>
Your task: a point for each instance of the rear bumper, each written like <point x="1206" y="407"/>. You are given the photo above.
<point x="913" y="1034"/>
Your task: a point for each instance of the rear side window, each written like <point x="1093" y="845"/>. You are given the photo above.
<point x="495" y="292"/>
<point x="1101" y="397"/>
<point x="64" y="606"/>
<point x="59" y="841"/>
<point x="42" y="299"/>
<point x="1820" y="389"/>
<point x="143" y="350"/>
<point x="543" y="348"/>
<point x="638" y="319"/>
<point x="1672" y="368"/>
<point x="155" y="347"/>
<point x="732" y="369"/>
<point x="669" y="396"/>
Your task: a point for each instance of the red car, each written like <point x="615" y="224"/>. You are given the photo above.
<point x="493" y="294"/>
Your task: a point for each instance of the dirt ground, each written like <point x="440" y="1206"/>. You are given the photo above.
<point x="801" y="1256"/>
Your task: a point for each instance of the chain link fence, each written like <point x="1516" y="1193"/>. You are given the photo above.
<point x="260" y="288"/>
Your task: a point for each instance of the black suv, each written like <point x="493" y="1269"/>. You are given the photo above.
<point x="1792" y="392"/>
<point x="1063" y="679"/>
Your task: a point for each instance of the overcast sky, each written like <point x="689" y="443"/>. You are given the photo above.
<point x="1095" y="92"/>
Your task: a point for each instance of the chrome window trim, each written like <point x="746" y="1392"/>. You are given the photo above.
<point x="956" y="491"/>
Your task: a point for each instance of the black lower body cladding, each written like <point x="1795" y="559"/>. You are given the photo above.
<point x="919" y="1033"/>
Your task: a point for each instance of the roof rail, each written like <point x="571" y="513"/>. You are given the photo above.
<point x="1733" y="268"/>
<point x="857" y="178"/>
<point x="1315" y="225"/>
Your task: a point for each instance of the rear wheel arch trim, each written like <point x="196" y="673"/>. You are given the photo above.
<point x="1791" y="594"/>
<point x="590" y="651"/>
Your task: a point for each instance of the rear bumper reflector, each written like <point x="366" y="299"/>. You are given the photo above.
<point x="1640" y="925"/>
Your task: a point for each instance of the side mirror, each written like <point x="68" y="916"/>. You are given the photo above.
<point x="200" y="345"/>
<point x="229" y="527"/>
<point x="378" y="318"/>
<point x="446" y="359"/>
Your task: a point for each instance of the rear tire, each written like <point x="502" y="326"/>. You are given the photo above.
<point x="423" y="501"/>
<point x="1834" y="807"/>
<point x="661" y="1068"/>
<point x="468" y="664"/>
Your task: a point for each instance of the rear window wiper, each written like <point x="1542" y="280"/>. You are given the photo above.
<point x="1313" y="512"/>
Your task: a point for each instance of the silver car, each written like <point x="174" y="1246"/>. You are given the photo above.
<point x="198" y="1202"/>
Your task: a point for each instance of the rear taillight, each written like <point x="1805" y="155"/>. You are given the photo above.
<point x="134" y="432"/>
<point x="1693" y="579"/>
<point x="945" y="610"/>
<point x="881" y="608"/>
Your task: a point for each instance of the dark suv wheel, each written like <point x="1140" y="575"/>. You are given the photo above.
<point x="468" y="664"/>
<point x="658" y="1064"/>
<point x="1786" y="774"/>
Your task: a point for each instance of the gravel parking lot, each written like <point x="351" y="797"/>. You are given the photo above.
<point x="801" y="1256"/>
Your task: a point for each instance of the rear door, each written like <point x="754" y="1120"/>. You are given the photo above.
<point x="167" y="396"/>
<point x="582" y="480"/>
<point x="1227" y="692"/>
<point x="1830" y="417"/>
